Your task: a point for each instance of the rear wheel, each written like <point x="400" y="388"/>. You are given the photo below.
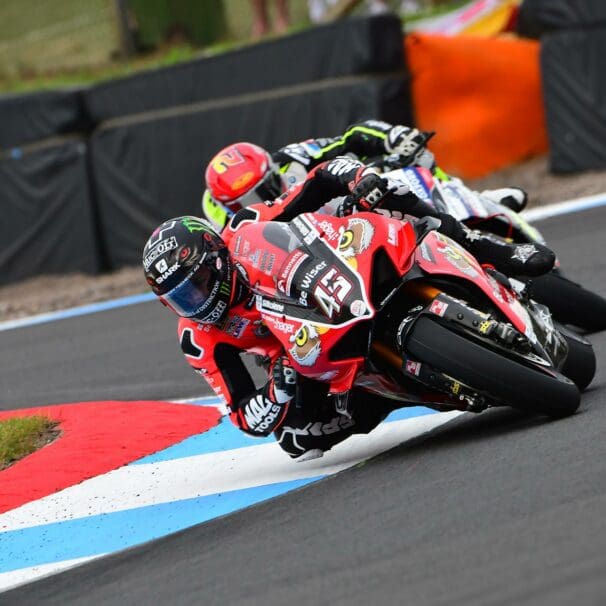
<point x="476" y="365"/>
<point x="569" y="302"/>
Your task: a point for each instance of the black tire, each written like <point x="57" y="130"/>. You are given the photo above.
<point x="481" y="368"/>
<point x="569" y="302"/>
<point x="580" y="365"/>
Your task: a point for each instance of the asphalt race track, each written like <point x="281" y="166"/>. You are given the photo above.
<point x="492" y="509"/>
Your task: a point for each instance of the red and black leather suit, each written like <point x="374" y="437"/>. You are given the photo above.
<point x="214" y="351"/>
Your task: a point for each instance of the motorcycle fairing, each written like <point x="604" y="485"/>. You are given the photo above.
<point x="455" y="198"/>
<point x="439" y="255"/>
<point x="330" y="259"/>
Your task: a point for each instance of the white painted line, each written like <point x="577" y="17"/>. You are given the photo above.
<point x="155" y="483"/>
<point x="564" y="208"/>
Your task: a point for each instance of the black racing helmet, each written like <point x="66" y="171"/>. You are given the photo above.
<point x="188" y="267"/>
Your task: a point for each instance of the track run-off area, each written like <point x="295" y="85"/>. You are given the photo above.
<point x="430" y="508"/>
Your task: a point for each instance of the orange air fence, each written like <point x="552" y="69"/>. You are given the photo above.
<point x="483" y="98"/>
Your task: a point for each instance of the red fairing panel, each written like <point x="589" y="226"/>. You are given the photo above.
<point x="314" y="293"/>
<point x="438" y="254"/>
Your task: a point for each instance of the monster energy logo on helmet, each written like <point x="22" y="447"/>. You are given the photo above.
<point x="194" y="225"/>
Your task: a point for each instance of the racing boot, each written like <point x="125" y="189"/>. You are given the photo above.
<point x="513" y="198"/>
<point x="512" y="259"/>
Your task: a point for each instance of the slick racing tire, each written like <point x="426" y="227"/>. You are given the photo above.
<point x="580" y="365"/>
<point x="474" y="364"/>
<point x="569" y="302"/>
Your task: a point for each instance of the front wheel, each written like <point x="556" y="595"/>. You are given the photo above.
<point x="580" y="364"/>
<point x="479" y="367"/>
<point x="569" y="302"/>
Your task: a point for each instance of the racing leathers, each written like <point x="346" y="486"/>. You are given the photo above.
<point x="365" y="140"/>
<point x="308" y="425"/>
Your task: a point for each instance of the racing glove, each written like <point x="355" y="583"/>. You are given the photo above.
<point x="405" y="142"/>
<point x="263" y="412"/>
<point x="366" y="192"/>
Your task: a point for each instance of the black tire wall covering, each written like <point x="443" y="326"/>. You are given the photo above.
<point x="537" y="17"/>
<point x="120" y="157"/>
<point x="572" y="65"/>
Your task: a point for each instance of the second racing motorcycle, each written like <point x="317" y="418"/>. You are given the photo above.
<point x="569" y="302"/>
<point x="397" y="308"/>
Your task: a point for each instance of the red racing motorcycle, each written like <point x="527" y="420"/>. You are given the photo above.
<point x="397" y="308"/>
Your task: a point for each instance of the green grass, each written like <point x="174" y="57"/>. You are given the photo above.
<point x="36" y="53"/>
<point x="22" y="436"/>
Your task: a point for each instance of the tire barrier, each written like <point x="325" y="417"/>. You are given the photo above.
<point x="537" y="17"/>
<point x="575" y="90"/>
<point x="150" y="136"/>
<point x="47" y="216"/>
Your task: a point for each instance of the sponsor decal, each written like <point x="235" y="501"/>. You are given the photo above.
<point x="217" y="312"/>
<point x="166" y="274"/>
<point x="254" y="257"/>
<point x="261" y="413"/>
<point x="328" y="376"/>
<point x="426" y="253"/>
<point x="222" y="162"/>
<point x="320" y="428"/>
<point x="194" y="225"/>
<point x="331" y="291"/>
<point x="243" y="180"/>
<point x="485" y="326"/>
<point x="269" y="305"/>
<point x="341" y="165"/>
<point x="236" y="325"/>
<point x="392" y="234"/>
<point x="356" y="238"/>
<point x="312" y="273"/>
<point x="456" y="256"/>
<point x="285" y="327"/>
<point x="289" y="269"/>
<point x="357" y="308"/>
<point x="159" y="249"/>
<point x="306" y="345"/>
<point x="413" y="368"/>
<point x="416" y="185"/>
<point x="524" y="252"/>
<point x="438" y="307"/>
<point x="329" y="232"/>
<point x="455" y="388"/>
<point x="267" y="262"/>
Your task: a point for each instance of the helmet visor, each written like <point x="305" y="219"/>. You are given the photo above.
<point x="192" y="296"/>
<point x="268" y="188"/>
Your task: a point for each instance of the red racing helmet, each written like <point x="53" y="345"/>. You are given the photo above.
<point x="242" y="174"/>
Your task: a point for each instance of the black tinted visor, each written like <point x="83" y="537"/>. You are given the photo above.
<point x="191" y="296"/>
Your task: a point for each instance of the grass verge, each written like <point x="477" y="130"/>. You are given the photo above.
<point x="22" y="436"/>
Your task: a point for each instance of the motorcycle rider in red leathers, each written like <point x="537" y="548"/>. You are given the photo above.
<point x="189" y="267"/>
<point x="242" y="174"/>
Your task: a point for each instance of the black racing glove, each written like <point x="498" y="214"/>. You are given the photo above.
<point x="283" y="380"/>
<point x="365" y="194"/>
